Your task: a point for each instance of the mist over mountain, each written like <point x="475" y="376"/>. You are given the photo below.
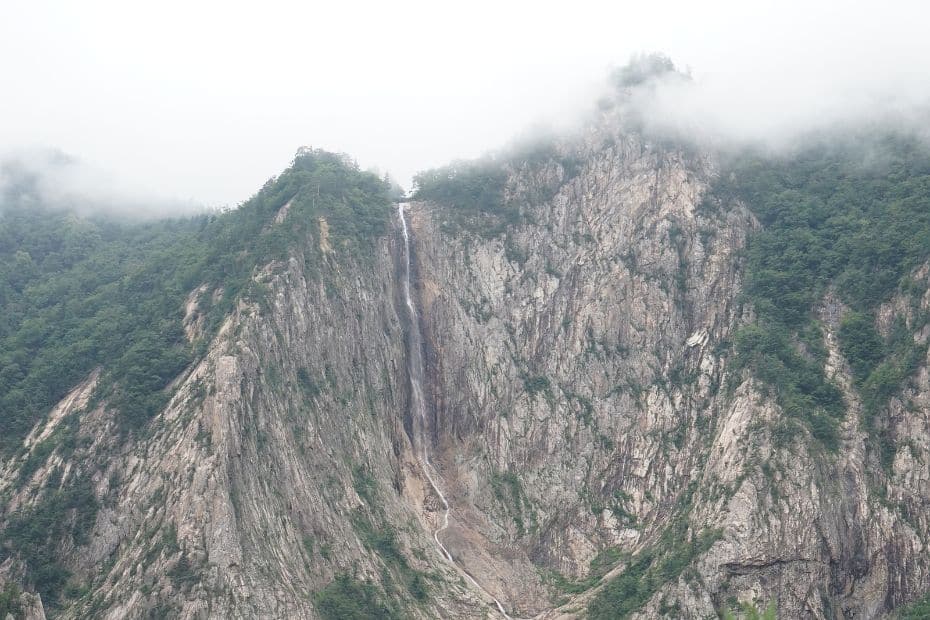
<point x="51" y="179"/>
<point x="219" y="111"/>
<point x="727" y="116"/>
<point x="646" y="342"/>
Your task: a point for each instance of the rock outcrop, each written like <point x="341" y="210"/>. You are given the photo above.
<point x="583" y="411"/>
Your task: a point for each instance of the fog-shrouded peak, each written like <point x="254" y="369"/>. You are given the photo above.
<point x="408" y="86"/>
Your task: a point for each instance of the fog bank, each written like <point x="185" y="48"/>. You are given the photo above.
<point x="203" y="102"/>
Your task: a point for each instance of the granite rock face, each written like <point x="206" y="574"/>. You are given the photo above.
<point x="584" y="400"/>
<point x="582" y="404"/>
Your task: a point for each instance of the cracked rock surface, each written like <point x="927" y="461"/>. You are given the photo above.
<point x="580" y="400"/>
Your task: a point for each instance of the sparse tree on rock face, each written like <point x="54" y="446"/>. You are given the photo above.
<point x="920" y="610"/>
<point x="751" y="612"/>
<point x="11" y="604"/>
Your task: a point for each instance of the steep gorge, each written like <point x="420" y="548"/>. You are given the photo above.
<point x="422" y="437"/>
<point x="536" y="406"/>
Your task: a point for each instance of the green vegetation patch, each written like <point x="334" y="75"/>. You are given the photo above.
<point x="537" y="384"/>
<point x="852" y="215"/>
<point x="383" y="541"/>
<point x="798" y="382"/>
<point x="473" y="193"/>
<point x="748" y="611"/>
<point x="377" y="535"/>
<point x="348" y="598"/>
<point x="10" y="601"/>
<point x="918" y="610"/>
<point x="605" y="560"/>
<point x="509" y="492"/>
<point x="661" y="563"/>
<point x="647" y="572"/>
<point x="78" y="293"/>
<point x="34" y="534"/>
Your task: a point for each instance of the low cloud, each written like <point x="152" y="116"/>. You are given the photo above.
<point x="770" y="111"/>
<point x="415" y="85"/>
<point x="52" y="179"/>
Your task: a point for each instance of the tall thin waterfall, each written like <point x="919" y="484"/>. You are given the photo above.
<point x="420" y="439"/>
<point x="414" y="353"/>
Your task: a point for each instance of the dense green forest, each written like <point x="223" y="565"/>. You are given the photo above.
<point x="476" y="192"/>
<point x="78" y="293"/>
<point x="848" y="215"/>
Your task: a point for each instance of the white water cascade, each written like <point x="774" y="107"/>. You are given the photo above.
<point x="418" y="407"/>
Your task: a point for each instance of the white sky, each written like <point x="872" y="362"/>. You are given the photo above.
<point x="204" y="100"/>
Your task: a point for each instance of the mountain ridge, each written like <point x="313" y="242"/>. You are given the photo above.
<point x="658" y="381"/>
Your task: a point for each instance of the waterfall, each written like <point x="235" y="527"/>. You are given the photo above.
<point x="419" y="423"/>
<point x="414" y="353"/>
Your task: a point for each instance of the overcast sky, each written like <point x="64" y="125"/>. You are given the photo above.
<point x="203" y="100"/>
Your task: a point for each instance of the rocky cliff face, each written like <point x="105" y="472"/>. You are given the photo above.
<point x="584" y="401"/>
<point x="275" y="466"/>
<point x="586" y="423"/>
<point x="573" y="357"/>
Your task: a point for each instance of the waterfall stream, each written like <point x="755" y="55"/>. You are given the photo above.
<point x="420" y="424"/>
